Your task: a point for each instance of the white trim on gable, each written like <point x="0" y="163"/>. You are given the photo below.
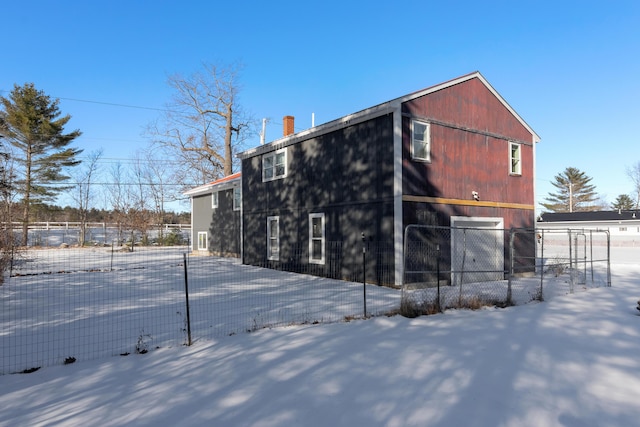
<point x="375" y="111"/>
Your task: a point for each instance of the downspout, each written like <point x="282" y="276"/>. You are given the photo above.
<point x="398" y="232"/>
<point x="241" y="215"/>
<point x="535" y="191"/>
<point x="192" y="230"/>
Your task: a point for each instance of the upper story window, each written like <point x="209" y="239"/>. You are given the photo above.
<point x="214" y="200"/>
<point x="515" y="157"/>
<point x="274" y="165"/>
<point x="237" y="198"/>
<point x="420" y="141"/>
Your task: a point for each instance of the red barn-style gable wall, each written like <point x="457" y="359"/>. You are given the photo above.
<point x="470" y="134"/>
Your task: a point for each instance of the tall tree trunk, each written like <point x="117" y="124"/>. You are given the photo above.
<point x="228" y="160"/>
<point x="27" y="199"/>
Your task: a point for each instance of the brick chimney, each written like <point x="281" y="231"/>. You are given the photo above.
<point x="288" y="125"/>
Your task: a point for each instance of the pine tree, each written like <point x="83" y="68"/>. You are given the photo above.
<point x="30" y="121"/>
<point x="623" y="202"/>
<point x="575" y="193"/>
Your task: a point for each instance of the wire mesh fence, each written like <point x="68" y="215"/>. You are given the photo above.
<point x="62" y="305"/>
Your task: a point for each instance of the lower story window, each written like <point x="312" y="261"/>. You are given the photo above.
<point x="273" y="238"/>
<point x="202" y="240"/>
<point x="316" y="238"/>
<point x="237" y="198"/>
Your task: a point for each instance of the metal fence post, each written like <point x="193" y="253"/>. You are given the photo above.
<point x="511" y="254"/>
<point x="541" y="265"/>
<point x="608" y="257"/>
<point x="364" y="275"/>
<point x="439" y="307"/>
<point x="186" y="294"/>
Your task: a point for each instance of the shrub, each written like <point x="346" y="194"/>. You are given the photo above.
<point x="410" y="307"/>
<point x="7" y="252"/>
<point x="557" y="267"/>
<point x="173" y="239"/>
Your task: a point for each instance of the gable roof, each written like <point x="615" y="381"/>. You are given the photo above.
<point x="225" y="183"/>
<point x="379" y="110"/>
<point x="461" y="79"/>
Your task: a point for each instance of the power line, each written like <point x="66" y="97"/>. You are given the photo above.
<point x="112" y="104"/>
<point x="127" y="184"/>
<point x="123" y="105"/>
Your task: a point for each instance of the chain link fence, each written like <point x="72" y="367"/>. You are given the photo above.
<point x="581" y="258"/>
<point x="448" y="267"/>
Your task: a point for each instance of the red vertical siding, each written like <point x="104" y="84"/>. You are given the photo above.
<point x="469" y="104"/>
<point x="470" y="134"/>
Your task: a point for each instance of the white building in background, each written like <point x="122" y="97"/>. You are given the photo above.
<point x="623" y="226"/>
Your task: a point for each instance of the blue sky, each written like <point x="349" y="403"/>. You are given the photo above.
<point x="569" y="68"/>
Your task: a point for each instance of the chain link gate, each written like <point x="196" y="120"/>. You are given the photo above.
<point x="467" y="267"/>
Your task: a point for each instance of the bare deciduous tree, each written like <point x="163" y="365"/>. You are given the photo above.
<point x="204" y="124"/>
<point x="633" y="173"/>
<point x="82" y="193"/>
<point x="120" y="200"/>
<point x="7" y="238"/>
<point x="160" y="190"/>
<point x="139" y="215"/>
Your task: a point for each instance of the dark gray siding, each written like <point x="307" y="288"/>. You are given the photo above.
<point x="347" y="175"/>
<point x="222" y="224"/>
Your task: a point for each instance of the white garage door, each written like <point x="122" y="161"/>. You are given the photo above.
<point x="477" y="249"/>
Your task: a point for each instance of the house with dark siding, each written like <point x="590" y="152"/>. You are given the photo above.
<point x="454" y="154"/>
<point x="215" y="217"/>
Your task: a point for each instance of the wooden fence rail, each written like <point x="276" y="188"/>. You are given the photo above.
<point x="71" y="225"/>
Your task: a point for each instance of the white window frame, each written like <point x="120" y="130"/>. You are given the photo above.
<point x="273" y="242"/>
<point x="214" y="200"/>
<point x="237" y="201"/>
<point x="273" y="156"/>
<point x="203" y="242"/>
<point x="515" y="161"/>
<point x="426" y="142"/>
<point x="320" y="238"/>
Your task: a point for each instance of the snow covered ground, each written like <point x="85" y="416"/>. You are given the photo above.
<point x="573" y="360"/>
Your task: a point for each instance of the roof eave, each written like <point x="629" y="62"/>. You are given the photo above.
<point x="462" y="79"/>
<point x="211" y="187"/>
<point x="378" y="110"/>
